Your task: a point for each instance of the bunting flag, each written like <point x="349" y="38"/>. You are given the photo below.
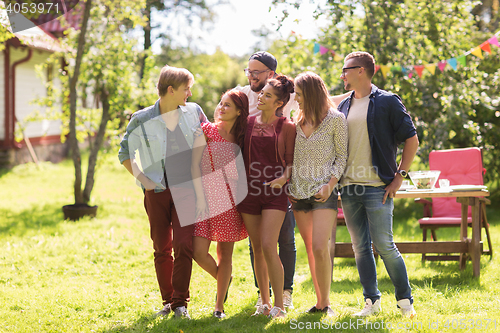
<point x="407" y="70"/>
<point x="384" y="69"/>
<point x="316" y="48"/>
<point x="477" y="52"/>
<point x="442" y="65"/>
<point x="494" y="41"/>
<point x="419" y="69"/>
<point x="453" y="63"/>
<point x="431" y="68"/>
<point x="462" y="60"/>
<point x="486" y="47"/>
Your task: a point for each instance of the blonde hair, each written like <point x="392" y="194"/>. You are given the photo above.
<point x="174" y="77"/>
<point x="316" y="98"/>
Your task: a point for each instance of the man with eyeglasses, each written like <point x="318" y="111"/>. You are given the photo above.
<point x="377" y="123"/>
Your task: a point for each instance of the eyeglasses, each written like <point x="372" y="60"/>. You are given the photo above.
<point x="254" y="74"/>
<point x="346" y="68"/>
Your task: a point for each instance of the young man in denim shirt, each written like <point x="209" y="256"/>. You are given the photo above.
<point x="163" y="136"/>
<point x="377" y="124"/>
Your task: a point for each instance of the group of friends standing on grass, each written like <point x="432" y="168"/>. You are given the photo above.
<point x="279" y="153"/>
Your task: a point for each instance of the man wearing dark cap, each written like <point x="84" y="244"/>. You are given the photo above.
<point x="262" y="67"/>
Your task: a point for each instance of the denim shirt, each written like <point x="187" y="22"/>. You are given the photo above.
<point x="147" y="134"/>
<point x="389" y="125"/>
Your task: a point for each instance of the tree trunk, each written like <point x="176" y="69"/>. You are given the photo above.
<point x="147" y="37"/>
<point x="89" y="182"/>
<point x="73" y="142"/>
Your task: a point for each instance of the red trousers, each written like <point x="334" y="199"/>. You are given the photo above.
<point x="174" y="275"/>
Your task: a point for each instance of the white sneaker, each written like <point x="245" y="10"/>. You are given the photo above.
<point x="277" y="312"/>
<point x="406" y="308"/>
<point x="181" y="312"/>
<point x="262" y="310"/>
<point x="259" y="302"/>
<point x="370" y="308"/>
<point x="287" y="299"/>
<point x="165" y="311"/>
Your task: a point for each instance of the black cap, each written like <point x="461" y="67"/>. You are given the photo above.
<point x="266" y="58"/>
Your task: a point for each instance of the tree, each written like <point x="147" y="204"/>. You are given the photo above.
<point x="451" y="109"/>
<point x="103" y="67"/>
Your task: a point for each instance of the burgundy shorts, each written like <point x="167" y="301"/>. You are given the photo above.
<point x="262" y="198"/>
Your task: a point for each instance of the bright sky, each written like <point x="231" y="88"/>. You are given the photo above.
<point x="235" y="21"/>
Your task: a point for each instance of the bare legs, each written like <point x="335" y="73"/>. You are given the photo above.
<point x="264" y="232"/>
<point x="221" y="270"/>
<point x="315" y="228"/>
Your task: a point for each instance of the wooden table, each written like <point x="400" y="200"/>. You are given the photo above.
<point x="471" y="246"/>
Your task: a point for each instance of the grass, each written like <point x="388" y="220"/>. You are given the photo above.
<point x="97" y="275"/>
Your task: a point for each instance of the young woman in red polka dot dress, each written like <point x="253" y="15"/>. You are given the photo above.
<point x="217" y="217"/>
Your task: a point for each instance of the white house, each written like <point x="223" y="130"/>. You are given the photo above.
<point x="20" y="88"/>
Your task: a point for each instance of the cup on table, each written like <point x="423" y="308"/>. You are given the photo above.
<point x="444" y="183"/>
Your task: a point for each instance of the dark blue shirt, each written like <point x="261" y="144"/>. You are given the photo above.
<point x="389" y="125"/>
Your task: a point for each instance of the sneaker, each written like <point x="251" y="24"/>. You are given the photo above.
<point x="181" y="312"/>
<point x="277" y="312"/>
<point x="287" y="299"/>
<point x="370" y="309"/>
<point x="220" y="314"/>
<point x="262" y="310"/>
<point x="329" y="312"/>
<point x="314" y="309"/>
<point x="259" y="302"/>
<point x="406" y="308"/>
<point x="165" y="311"/>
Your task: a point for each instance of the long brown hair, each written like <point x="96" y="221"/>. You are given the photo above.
<point x="316" y="98"/>
<point x="240" y="101"/>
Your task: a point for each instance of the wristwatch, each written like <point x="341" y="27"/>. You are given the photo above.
<point x="403" y="173"/>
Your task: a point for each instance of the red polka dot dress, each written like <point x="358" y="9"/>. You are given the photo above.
<point x="219" y="185"/>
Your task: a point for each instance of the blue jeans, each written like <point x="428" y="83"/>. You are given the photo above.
<point x="368" y="220"/>
<point x="287" y="251"/>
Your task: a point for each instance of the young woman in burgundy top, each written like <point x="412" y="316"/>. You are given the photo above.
<point x="268" y="156"/>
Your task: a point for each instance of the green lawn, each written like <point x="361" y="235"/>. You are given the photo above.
<point x="98" y="276"/>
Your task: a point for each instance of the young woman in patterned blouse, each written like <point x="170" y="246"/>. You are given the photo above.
<point x="319" y="161"/>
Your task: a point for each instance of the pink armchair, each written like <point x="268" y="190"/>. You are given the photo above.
<point x="461" y="167"/>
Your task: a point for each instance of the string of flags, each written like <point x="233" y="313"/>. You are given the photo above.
<point x="419" y="69"/>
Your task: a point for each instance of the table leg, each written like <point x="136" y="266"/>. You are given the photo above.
<point x="476" y="236"/>
<point x="463" y="233"/>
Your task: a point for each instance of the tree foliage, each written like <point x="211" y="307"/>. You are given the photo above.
<point x="214" y="73"/>
<point x="102" y="69"/>
<point x="451" y="109"/>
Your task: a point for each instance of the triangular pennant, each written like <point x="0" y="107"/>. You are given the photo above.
<point x="419" y="69"/>
<point x="377" y="67"/>
<point x="322" y="50"/>
<point x="442" y="65"/>
<point x="477" y="52"/>
<point x="385" y="69"/>
<point x="485" y="47"/>
<point x="453" y="63"/>
<point x="396" y="68"/>
<point x="404" y="70"/>
<point x="337" y="57"/>
<point x="316" y="48"/>
<point x="431" y="68"/>
<point x="461" y="60"/>
<point x="493" y="41"/>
